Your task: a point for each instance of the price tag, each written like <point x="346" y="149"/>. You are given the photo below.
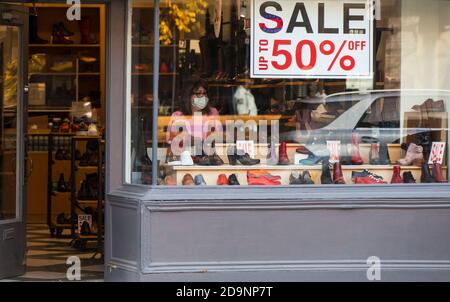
<point x="437" y="153"/>
<point x="312" y="39"/>
<point x="333" y="148"/>
<point x="246" y="147"/>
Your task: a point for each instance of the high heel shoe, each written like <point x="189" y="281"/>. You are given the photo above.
<point x="414" y="156"/>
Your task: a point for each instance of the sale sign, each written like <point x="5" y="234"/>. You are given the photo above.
<point x="312" y="39"/>
<point x="437" y="153"/>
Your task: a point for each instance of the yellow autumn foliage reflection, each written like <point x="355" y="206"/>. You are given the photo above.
<point x="184" y="16"/>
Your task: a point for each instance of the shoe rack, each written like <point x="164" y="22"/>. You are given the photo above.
<point x="58" y="201"/>
<point x="79" y="206"/>
<point x="70" y="71"/>
<point x="211" y="173"/>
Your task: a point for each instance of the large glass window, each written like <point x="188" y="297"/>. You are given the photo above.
<point x="217" y="125"/>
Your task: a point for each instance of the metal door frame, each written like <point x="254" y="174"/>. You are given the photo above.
<point x="17" y="226"/>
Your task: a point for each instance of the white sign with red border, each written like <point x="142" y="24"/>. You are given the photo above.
<point x="312" y="39"/>
<point x="334" y="147"/>
<point x="437" y="153"/>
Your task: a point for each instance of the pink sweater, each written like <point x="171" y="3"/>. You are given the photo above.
<point x="195" y="125"/>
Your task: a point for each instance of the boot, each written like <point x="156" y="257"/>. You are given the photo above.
<point x="62" y="187"/>
<point x="307" y="179"/>
<point x="356" y="156"/>
<point x="396" y="177"/>
<point x="33" y="32"/>
<point x="296" y="178"/>
<point x="414" y="156"/>
<point x="283" y="158"/>
<point x="85" y="229"/>
<point x="437" y="173"/>
<point x="233" y="181"/>
<point x="87" y="37"/>
<point x="374" y="154"/>
<point x="325" y="178"/>
<point x="272" y="158"/>
<point x="338" y="177"/>
<point x="408" y="178"/>
<point x="384" y="158"/>
<point x="426" y="176"/>
<point x="58" y="36"/>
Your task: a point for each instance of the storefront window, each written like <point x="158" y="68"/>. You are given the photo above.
<point x="219" y="124"/>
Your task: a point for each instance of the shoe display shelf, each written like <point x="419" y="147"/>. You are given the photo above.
<point x="211" y="173"/>
<point x="57" y="201"/>
<point x="79" y="206"/>
<point x="66" y="58"/>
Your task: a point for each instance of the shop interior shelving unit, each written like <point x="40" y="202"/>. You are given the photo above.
<point x="79" y="206"/>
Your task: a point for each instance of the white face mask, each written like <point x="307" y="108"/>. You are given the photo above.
<point x="200" y="103"/>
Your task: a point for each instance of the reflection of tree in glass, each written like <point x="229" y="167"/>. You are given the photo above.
<point x="10" y="85"/>
<point x="184" y="16"/>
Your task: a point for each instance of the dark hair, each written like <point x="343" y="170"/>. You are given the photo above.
<point x="187" y="109"/>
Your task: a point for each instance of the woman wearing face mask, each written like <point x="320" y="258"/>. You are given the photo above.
<point x="194" y="116"/>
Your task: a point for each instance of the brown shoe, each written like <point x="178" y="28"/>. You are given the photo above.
<point x="437" y="173"/>
<point x="169" y="181"/>
<point x="283" y="158"/>
<point x="188" y="180"/>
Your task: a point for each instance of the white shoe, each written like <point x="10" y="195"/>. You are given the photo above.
<point x="186" y="159"/>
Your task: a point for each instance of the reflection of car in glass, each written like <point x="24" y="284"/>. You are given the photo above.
<point x="390" y="116"/>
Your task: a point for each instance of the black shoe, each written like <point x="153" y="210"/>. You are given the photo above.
<point x="426" y="175"/>
<point x="59" y="155"/>
<point x="85" y="229"/>
<point x="84" y="160"/>
<point x="33" y="31"/>
<point x="365" y="173"/>
<point x="77" y="155"/>
<point x="243" y="159"/>
<point x="307" y="179"/>
<point x="62" y="28"/>
<point x="82" y="193"/>
<point x="232" y="180"/>
<point x="408" y="178"/>
<point x="384" y="155"/>
<point x="62" y="187"/>
<point x="325" y="178"/>
<point x="295" y="178"/>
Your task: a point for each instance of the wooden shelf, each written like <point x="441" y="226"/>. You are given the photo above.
<point x="65" y="74"/>
<point x="151" y="73"/>
<point x="151" y="46"/>
<point x="65" y="45"/>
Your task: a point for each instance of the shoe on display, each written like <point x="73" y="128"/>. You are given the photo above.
<point x="396" y="175"/>
<point x="365" y="173"/>
<point x="60" y="34"/>
<point x="414" y="156"/>
<point x="87" y="36"/>
<point x="33" y="31"/>
<point x="235" y="156"/>
<point x="408" y="178"/>
<point x="222" y="180"/>
<point x="307" y="179"/>
<point x="283" y="158"/>
<point x="263" y="173"/>
<point x="325" y="178"/>
<point x="356" y="155"/>
<point x="295" y="178"/>
<point x="171" y="159"/>
<point x="311" y="160"/>
<point x="369" y="180"/>
<point x="338" y="177"/>
<point x="384" y="158"/>
<point x="260" y="179"/>
<point x="233" y="181"/>
<point x="374" y="154"/>
<point x="85" y="229"/>
<point x="82" y="193"/>
<point x="199" y="180"/>
<point x="426" y="175"/>
<point x="62" y="187"/>
<point x="437" y="173"/>
<point x="186" y="159"/>
<point x="303" y="150"/>
<point x="272" y="158"/>
<point x="62" y="66"/>
<point x="210" y="160"/>
<point x="169" y="181"/>
<point x="59" y="155"/>
<point x="188" y="180"/>
<point x="92" y="130"/>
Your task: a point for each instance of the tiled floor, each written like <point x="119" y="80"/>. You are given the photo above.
<point x="46" y="258"/>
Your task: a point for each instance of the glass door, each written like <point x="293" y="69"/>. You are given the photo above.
<point x="13" y="29"/>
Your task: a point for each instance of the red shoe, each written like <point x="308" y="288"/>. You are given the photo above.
<point x="437" y="173"/>
<point x="262" y="181"/>
<point x="396" y="177"/>
<point x="338" y="177"/>
<point x="262" y="173"/>
<point x="369" y="180"/>
<point x="283" y="158"/>
<point x="356" y="156"/>
<point x="222" y="180"/>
